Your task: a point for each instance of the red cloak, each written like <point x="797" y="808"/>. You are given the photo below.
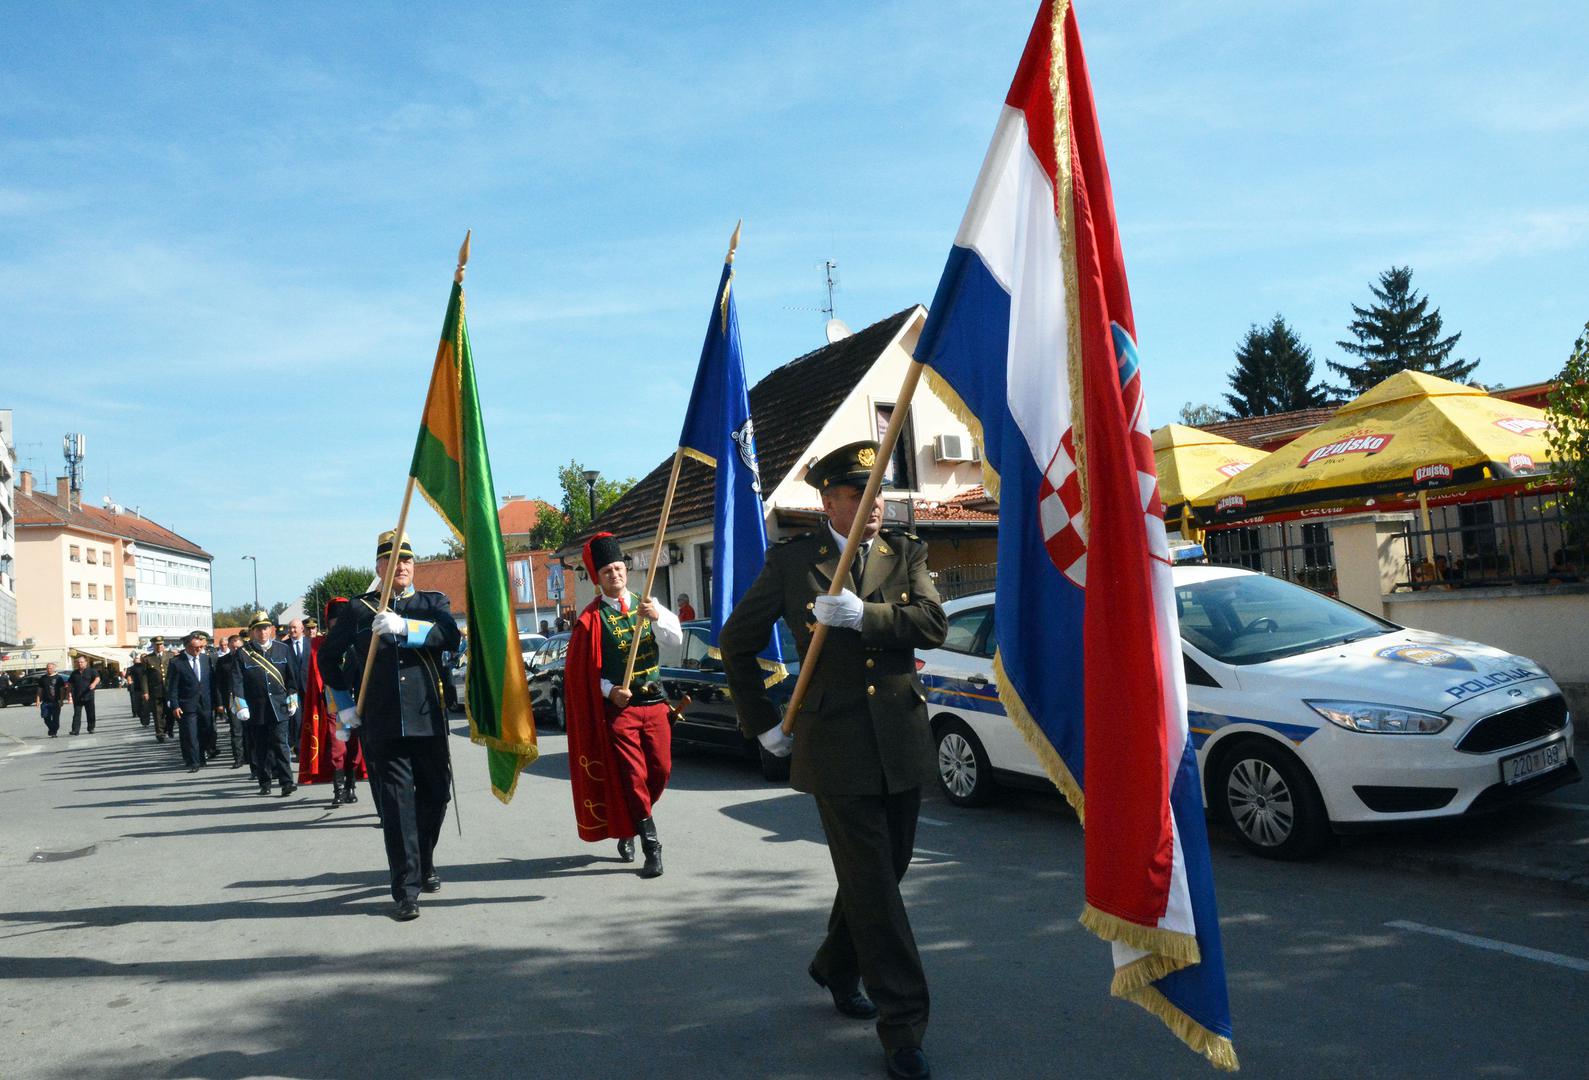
<point x="600" y="810"/>
<point x="317" y="737"/>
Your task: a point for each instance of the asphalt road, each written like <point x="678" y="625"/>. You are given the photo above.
<point x="198" y="930"/>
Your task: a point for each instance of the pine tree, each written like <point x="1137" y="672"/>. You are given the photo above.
<point x="1398" y="332"/>
<point x="1274" y="373"/>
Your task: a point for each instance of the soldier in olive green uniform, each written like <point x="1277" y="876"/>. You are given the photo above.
<point x="862" y="743"/>
<point x="155" y="665"/>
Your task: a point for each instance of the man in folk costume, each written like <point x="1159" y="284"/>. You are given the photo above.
<point x="620" y="747"/>
<point x="321" y="755"/>
<point x="403" y="713"/>
<point x="262" y="697"/>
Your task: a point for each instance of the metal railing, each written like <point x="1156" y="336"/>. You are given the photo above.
<point x="1300" y="552"/>
<point x="967" y="578"/>
<point x="1520" y="540"/>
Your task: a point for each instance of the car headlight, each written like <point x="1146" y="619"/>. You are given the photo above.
<point x="1379" y="719"/>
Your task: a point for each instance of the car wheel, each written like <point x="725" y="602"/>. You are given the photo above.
<point x="1266" y="795"/>
<point x="963" y="769"/>
<point x="559" y="715"/>
<point x="774" y="769"/>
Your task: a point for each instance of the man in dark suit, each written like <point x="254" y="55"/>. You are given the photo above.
<point x="863" y="746"/>
<point x="402" y="714"/>
<point x="192" y="696"/>
<point x="298" y="652"/>
<point x="262" y="697"/>
<point x="137" y="681"/>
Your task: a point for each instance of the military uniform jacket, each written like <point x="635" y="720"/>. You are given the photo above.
<point x="406" y="694"/>
<point x="154" y="673"/>
<point x="260" y="677"/>
<point x="863" y="728"/>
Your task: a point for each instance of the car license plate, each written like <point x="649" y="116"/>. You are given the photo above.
<point x="1527" y="765"/>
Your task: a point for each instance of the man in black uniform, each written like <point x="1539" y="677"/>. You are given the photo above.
<point x="262" y="698"/>
<point x="83" y="683"/>
<point x="154" y="694"/>
<point x="403" y="714"/>
<point x="863" y="746"/>
<point x="135" y="687"/>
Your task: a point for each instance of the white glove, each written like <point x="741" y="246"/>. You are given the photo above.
<point x="347" y="720"/>
<point x="292" y="703"/>
<point x="776" y="742"/>
<point x="389" y="622"/>
<point x="843" y="610"/>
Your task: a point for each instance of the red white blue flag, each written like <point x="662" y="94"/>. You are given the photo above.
<point x="1031" y="337"/>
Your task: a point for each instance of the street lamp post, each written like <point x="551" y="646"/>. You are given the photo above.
<point x="255" y="561"/>
<point x="591" y="476"/>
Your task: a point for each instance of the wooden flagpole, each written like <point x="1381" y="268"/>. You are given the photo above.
<point x="402" y="521"/>
<point x="852" y="542"/>
<point x="662" y="524"/>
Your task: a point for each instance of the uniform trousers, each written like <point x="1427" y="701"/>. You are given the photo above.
<point x="642" y="743"/>
<point x="140" y="708"/>
<point x="409" y="775"/>
<point x="237" y="733"/>
<point x="270" y="751"/>
<point x="79" y="709"/>
<point x="50" y="713"/>
<point x="157" y="711"/>
<point x="870" y="839"/>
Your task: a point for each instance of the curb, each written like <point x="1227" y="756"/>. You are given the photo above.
<point x="1574" y="884"/>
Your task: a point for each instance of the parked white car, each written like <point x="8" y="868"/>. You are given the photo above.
<point x="1307" y="715"/>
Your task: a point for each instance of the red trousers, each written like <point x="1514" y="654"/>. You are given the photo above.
<point x="642" y="741"/>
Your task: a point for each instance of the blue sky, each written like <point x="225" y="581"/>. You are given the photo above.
<point x="227" y="230"/>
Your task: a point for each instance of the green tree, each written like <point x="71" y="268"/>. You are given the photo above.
<point x="1398" y="332"/>
<point x="349" y="581"/>
<point x="1198" y="415"/>
<point x="557" y="526"/>
<point x="233" y="616"/>
<point x="1568" y="411"/>
<point x="1274" y="373"/>
<point x="277" y="608"/>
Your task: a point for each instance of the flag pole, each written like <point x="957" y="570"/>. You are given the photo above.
<point x="402" y="521"/>
<point x="667" y="509"/>
<point x="852" y="542"/>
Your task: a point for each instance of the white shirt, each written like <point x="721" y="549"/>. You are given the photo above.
<point x="864" y="550"/>
<point x="665" y="626"/>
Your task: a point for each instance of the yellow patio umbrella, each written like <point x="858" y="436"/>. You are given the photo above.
<point x="1389" y="448"/>
<point x="1191" y="461"/>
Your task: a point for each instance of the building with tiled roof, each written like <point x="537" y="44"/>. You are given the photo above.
<point x="102" y="580"/>
<point x="838" y="394"/>
<point x="518" y="517"/>
<point x="1270" y="433"/>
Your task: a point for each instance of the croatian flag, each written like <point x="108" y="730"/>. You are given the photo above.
<point x="718" y="432"/>
<point x="1031" y="338"/>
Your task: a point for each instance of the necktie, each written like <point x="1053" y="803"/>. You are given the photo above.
<point x="623" y="604"/>
<point x="858" y="567"/>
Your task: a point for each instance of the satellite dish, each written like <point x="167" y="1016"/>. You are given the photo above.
<point x="837" y="331"/>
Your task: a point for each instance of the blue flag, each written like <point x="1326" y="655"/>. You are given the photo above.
<point x="718" y="432"/>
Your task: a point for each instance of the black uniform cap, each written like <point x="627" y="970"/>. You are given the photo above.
<point x="850" y="464"/>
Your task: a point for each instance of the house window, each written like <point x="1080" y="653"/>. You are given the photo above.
<point x="703" y="576"/>
<point x="110" y="628"/>
<point x="901" y="470"/>
<point x="93" y="627"/>
<point x="109" y="593"/>
<point x="93" y="556"/>
<point x="77" y="627"/>
<point x="105" y="557"/>
<point x="77" y="590"/>
<point x="93" y="591"/>
<point x="74" y="553"/>
<point x="129" y="588"/>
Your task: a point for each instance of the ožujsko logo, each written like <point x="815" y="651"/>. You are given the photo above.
<point x="1521" y="463"/>
<point x="1430" y="474"/>
<point x="1229" y="503"/>
<point x="1231" y="468"/>
<point x="1365" y="443"/>
<point x="1522" y="425"/>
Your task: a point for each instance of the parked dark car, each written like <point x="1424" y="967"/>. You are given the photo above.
<point x="545" y="674"/>
<point x="710" y="720"/>
<point x="23" y="689"/>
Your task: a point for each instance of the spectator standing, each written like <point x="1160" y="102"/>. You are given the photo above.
<point x="52" y="688"/>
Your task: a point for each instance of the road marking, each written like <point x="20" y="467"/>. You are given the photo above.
<point x="935" y="854"/>
<point x="1572" y="963"/>
<point x="935" y="821"/>
<point x="1582" y="808"/>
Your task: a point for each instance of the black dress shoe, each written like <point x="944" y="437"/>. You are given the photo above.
<point x="432" y="882"/>
<point x="288" y="788"/>
<point x="406" y="911"/>
<point x="626" y="849"/>
<point x="908" y="1063"/>
<point x="264" y="789"/>
<point x="854" y="1004"/>
<point x="193" y="768"/>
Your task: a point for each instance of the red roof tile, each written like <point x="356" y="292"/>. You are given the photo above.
<point x="40" y="509"/>
<point x="519" y="516"/>
<point x="1274" y="430"/>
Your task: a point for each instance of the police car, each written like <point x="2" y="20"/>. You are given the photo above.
<point x="1307" y="715"/>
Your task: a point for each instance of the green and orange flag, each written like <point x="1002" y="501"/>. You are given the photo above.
<point x="453" y="471"/>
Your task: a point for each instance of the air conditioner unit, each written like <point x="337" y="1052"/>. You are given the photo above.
<point x="953" y="448"/>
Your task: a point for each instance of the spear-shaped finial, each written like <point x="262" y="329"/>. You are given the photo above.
<point x="463" y="257"/>
<point x="733" y="241"/>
